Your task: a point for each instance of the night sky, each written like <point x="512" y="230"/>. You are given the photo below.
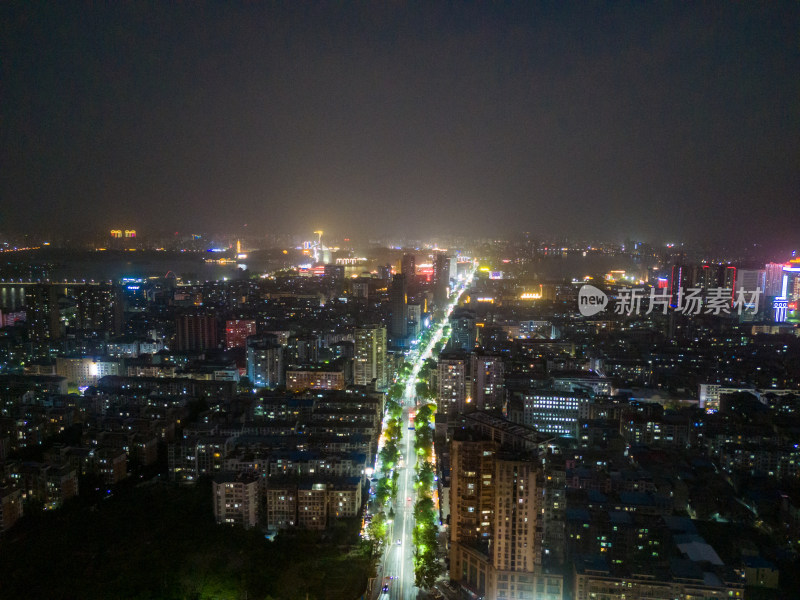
<point x="655" y="121"/>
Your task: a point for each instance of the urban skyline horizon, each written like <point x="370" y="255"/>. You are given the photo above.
<point x="571" y="241"/>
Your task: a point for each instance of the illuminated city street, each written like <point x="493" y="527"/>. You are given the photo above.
<point x="398" y="559"/>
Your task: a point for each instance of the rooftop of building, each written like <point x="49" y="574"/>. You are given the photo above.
<point x="679" y="570"/>
<point x="235" y="477"/>
<point x="486" y="419"/>
<point x="317" y="368"/>
<point x="578" y="374"/>
<point x="757" y="562"/>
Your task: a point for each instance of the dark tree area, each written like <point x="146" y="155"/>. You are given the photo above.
<point x="161" y="542"/>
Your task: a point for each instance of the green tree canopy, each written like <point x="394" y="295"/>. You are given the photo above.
<point x="425" y="413"/>
<point x="423" y="390"/>
<point x="396" y="391"/>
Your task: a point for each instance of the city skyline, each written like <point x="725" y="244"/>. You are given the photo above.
<point x="400" y="300"/>
<point x="648" y="122"/>
<point x="496" y="420"/>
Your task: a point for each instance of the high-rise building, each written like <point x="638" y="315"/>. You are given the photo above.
<point x="99" y="308"/>
<point x="453" y="384"/>
<point x="335" y="276"/>
<point x="265" y="363"/>
<point x="750" y="280"/>
<point x="236" y="499"/>
<point x="359" y="288"/>
<point x="471" y="500"/>
<point x="42" y="312"/>
<point x="408" y="267"/>
<point x="237" y="331"/>
<point x="685" y="277"/>
<point x="398" y="299"/>
<point x="464" y="330"/>
<point x="495" y="518"/>
<point x="385" y="272"/>
<point x="708" y="277"/>
<point x="370" y="356"/>
<point x="554" y="507"/>
<point x="414" y="320"/>
<point x="517" y="534"/>
<point x="793" y="285"/>
<point x="487" y="372"/>
<point x="679" y="279"/>
<point x="728" y="278"/>
<point x="774" y="279"/>
<point x="441" y="277"/>
<point x="196" y="332"/>
<point x="302" y="349"/>
<point x="554" y="412"/>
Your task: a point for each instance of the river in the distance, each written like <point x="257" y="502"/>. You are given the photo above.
<point x="114" y="265"/>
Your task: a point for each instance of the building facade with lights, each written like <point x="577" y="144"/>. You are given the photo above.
<point x="452" y="384"/>
<point x="265" y="363"/>
<point x="82" y="372"/>
<point x="594" y="578"/>
<point x="488" y="372"/>
<point x="237" y="331"/>
<point x="552" y="412"/>
<point x="398" y="299"/>
<point x="370" y="356"/>
<point x="441" y="278"/>
<point x="236" y="499"/>
<point x="298" y="380"/>
<point x="495" y="523"/>
<point x="197" y="331"/>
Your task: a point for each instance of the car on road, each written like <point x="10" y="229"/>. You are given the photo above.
<point x="399" y="542"/>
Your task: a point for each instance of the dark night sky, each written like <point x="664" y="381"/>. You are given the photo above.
<point x="651" y="120"/>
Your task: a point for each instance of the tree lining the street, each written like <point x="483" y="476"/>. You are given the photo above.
<point x="426" y="564"/>
<point x="427" y="567"/>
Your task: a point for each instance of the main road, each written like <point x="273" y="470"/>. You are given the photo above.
<point x="398" y="559"/>
<point x="399" y="554"/>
